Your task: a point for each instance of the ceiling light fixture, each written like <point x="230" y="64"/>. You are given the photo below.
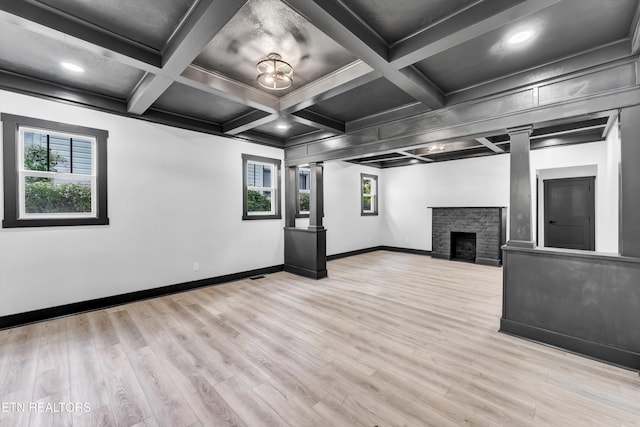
<point x="72" y="67"/>
<point x="520" y="37"/>
<point x="274" y="73"/>
<point x="437" y="147"/>
<point x="282" y="126"/>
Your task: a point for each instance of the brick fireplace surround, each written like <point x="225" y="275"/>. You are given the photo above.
<point x="489" y="224"/>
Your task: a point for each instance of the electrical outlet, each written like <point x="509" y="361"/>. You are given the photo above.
<point x="196" y="266"/>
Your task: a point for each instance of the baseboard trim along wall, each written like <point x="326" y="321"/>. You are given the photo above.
<point x="378" y="248"/>
<point x="604" y="353"/>
<point x="19" y="319"/>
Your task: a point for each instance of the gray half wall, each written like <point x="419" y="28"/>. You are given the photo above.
<point x="584" y="302"/>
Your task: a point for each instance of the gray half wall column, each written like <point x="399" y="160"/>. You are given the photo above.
<point x="316" y="204"/>
<point x="305" y="249"/>
<point x="290" y="196"/>
<point x="630" y="182"/>
<point x="520" y="234"/>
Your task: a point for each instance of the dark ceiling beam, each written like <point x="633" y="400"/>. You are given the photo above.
<point x="204" y="22"/>
<point x="613" y="115"/>
<point x="308" y="137"/>
<point x="261" y="139"/>
<point x="365" y="161"/>
<point x="47" y="90"/>
<point x="490" y="145"/>
<point x="170" y="119"/>
<point x="337" y="21"/>
<point x="473" y="22"/>
<point x="313" y="119"/>
<point x="226" y="88"/>
<point x="413" y="156"/>
<point x="346" y="78"/>
<point x="44" y="20"/>
<point x="248" y="121"/>
<point x="59" y="93"/>
<point x="387" y="116"/>
<point x="557" y="68"/>
<point x="613" y="85"/>
<point x="634" y="32"/>
<point x="567" y="139"/>
<point x="568" y="132"/>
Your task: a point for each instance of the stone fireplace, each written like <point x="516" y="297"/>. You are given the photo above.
<point x="472" y="234"/>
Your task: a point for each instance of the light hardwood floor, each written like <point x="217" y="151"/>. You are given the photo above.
<point x="387" y="340"/>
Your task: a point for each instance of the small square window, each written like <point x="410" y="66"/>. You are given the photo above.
<point x="261" y="195"/>
<point x="368" y="194"/>
<point x="54" y="173"/>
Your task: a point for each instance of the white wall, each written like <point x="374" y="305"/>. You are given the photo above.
<point x="585" y="160"/>
<point x="175" y="197"/>
<point x="610" y="197"/>
<point x="411" y="190"/>
<point x="347" y="230"/>
<point x="484" y="181"/>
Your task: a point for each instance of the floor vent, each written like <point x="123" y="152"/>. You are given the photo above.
<point x="256" y="277"/>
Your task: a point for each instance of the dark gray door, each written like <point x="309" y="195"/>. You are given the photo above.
<point x="569" y="213"/>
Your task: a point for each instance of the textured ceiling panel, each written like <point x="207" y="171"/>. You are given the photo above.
<point x="363" y="101"/>
<point x="191" y="102"/>
<point x="38" y="56"/>
<point x="396" y="19"/>
<point x="265" y="26"/>
<point x="284" y="128"/>
<point x="149" y="22"/>
<point x="557" y="33"/>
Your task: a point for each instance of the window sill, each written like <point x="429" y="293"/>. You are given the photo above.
<point x="58" y="222"/>
<point x="368" y="213"/>
<point x="253" y="217"/>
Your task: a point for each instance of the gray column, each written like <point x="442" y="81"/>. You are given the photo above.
<point x="290" y="196"/>
<point x="630" y="182"/>
<point x="520" y="191"/>
<point x="316" y="205"/>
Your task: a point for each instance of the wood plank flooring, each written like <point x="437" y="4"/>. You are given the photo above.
<point x="388" y="339"/>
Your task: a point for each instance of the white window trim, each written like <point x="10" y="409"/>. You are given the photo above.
<point x="24" y="173"/>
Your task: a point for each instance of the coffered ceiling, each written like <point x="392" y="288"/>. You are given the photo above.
<point x="358" y="64"/>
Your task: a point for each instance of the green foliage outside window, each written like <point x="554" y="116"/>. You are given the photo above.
<point x="304" y="202"/>
<point x="367" y="203"/>
<point x="43" y="195"/>
<point x="258" y="202"/>
<point x="366" y="186"/>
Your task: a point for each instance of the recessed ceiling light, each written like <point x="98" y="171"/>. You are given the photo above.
<point x="414" y="161"/>
<point x="282" y="126"/>
<point x="520" y="37"/>
<point x="72" y="67"/>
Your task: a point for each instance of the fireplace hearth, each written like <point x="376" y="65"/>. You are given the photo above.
<point x="472" y="234"/>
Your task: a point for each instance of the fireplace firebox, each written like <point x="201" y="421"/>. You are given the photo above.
<point x="463" y="246"/>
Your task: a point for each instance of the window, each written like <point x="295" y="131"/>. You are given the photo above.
<point x="54" y="173"/>
<point x="261" y="195"/>
<point x="303" y="184"/>
<point x="368" y="194"/>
